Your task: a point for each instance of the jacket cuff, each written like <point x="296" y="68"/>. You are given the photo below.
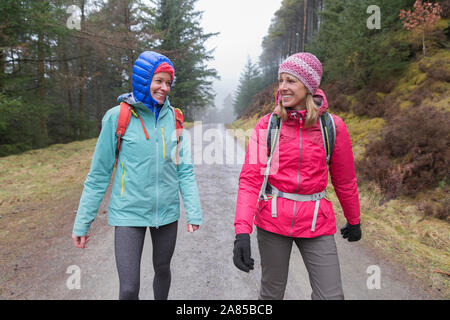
<point x="354" y="221"/>
<point x="80" y="229"/>
<point x="195" y="221"/>
<point x="243" y="229"/>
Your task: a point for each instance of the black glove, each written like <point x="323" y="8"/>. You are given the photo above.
<point x="242" y="252"/>
<point x="352" y="232"/>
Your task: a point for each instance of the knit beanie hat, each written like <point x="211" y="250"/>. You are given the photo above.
<point x="165" y="67"/>
<point x="305" y="67"/>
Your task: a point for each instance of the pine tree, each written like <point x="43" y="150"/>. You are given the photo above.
<point x="249" y="84"/>
<point x="292" y="27"/>
<point x="57" y="80"/>
<point x="352" y="51"/>
<point x="183" y="41"/>
<point x="27" y="45"/>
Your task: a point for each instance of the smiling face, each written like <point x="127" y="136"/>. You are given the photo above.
<point x="292" y="91"/>
<point x="160" y="86"/>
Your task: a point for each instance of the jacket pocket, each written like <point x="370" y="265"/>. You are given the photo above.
<point x="123" y="179"/>
<point x="261" y="205"/>
<point x="326" y="208"/>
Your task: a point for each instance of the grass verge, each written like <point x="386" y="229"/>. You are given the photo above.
<point x="39" y="194"/>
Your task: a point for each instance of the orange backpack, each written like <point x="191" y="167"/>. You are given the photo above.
<point x="124" y="119"/>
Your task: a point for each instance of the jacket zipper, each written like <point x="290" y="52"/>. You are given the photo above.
<point x="123" y="177"/>
<point x="298" y="174"/>
<point x="157" y="172"/>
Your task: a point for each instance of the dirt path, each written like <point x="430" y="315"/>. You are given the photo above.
<point x="202" y="266"/>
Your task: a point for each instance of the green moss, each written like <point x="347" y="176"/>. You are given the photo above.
<point x="409" y="81"/>
<point x="405" y="104"/>
<point x="380" y="95"/>
<point x="351" y="99"/>
<point x="418" y="79"/>
<point x="360" y="128"/>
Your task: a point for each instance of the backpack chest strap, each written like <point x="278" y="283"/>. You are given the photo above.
<point x="316" y="197"/>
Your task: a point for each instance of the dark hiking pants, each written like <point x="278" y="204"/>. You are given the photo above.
<point x="320" y="258"/>
<point x="129" y="242"/>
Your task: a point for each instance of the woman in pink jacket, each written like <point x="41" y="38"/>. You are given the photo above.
<point x="292" y="206"/>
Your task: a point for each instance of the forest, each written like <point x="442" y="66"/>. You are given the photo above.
<point x="63" y="63"/>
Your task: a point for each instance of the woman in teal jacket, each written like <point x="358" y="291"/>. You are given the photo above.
<point x="147" y="179"/>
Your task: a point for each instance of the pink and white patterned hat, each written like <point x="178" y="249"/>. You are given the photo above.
<point x="305" y="67"/>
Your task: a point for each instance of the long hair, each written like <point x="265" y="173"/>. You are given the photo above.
<point x="312" y="111"/>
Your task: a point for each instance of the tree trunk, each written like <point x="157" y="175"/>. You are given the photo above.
<point x="43" y="133"/>
<point x="2" y="68"/>
<point x="318" y="8"/>
<point x="305" y="20"/>
<point x="99" y="101"/>
<point x="70" y="129"/>
<point x="298" y="35"/>
<point x="423" y="42"/>
<point x="82" y="75"/>
<point x="128" y="41"/>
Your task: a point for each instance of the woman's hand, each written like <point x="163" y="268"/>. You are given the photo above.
<point x="192" y="227"/>
<point x="80" y="242"/>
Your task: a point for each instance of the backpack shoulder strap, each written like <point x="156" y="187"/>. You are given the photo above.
<point x="124" y="119"/>
<point x="122" y="125"/>
<point x="179" y="122"/>
<point x="272" y="139"/>
<point x="328" y="133"/>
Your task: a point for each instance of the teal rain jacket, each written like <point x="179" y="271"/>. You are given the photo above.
<point x="147" y="181"/>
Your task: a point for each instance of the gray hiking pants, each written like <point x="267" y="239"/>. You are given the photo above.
<point x="320" y="258"/>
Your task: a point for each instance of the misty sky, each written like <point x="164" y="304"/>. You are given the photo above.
<point x="242" y="25"/>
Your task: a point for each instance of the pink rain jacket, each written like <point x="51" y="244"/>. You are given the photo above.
<point x="298" y="166"/>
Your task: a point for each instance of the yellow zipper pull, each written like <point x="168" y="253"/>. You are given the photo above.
<point x="164" y="143"/>
<point x="123" y="177"/>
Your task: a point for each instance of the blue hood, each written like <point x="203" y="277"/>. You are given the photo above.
<point x="143" y="71"/>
